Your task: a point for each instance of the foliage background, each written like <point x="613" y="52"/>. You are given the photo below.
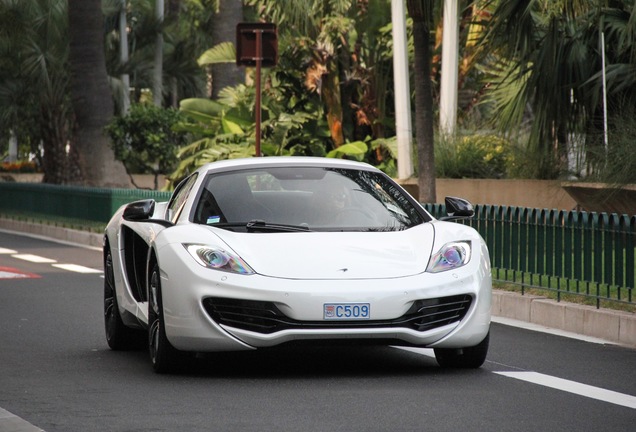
<point x="530" y="84"/>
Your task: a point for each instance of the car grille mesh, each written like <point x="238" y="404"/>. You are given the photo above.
<point x="265" y="317"/>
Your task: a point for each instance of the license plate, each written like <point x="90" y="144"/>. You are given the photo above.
<point x="347" y="311"/>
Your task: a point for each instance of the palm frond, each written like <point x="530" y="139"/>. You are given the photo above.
<point x="221" y="53"/>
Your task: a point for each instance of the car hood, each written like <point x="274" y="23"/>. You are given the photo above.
<point x="335" y="255"/>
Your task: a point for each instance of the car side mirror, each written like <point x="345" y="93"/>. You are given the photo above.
<point x="458" y="208"/>
<point x="139" y="210"/>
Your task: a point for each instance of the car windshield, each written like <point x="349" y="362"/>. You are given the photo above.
<point x="305" y="198"/>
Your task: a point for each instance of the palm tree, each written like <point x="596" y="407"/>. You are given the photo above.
<point x="34" y="84"/>
<point x="19" y="115"/>
<point x="228" y="14"/>
<point x="421" y="12"/>
<point x="546" y="56"/>
<point x="91" y="96"/>
<point x="186" y="34"/>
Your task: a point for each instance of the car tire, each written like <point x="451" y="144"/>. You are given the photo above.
<point x="163" y="356"/>
<point x="118" y="336"/>
<point x="463" y="358"/>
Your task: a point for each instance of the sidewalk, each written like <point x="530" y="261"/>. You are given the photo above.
<point x="609" y="325"/>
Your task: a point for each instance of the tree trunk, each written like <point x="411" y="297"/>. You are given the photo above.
<point x="91" y="97"/>
<point x="227" y="74"/>
<point x="424" y="122"/>
<point x="157" y="72"/>
<point x="58" y="166"/>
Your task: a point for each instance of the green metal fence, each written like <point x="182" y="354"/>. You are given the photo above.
<point x="568" y="252"/>
<point x="91" y="204"/>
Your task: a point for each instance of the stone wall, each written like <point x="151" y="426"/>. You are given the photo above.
<point x="518" y="193"/>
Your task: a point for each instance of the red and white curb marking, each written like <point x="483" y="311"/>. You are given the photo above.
<point x="12" y="273"/>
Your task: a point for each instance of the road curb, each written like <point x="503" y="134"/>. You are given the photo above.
<point x="612" y="326"/>
<point x="55" y="232"/>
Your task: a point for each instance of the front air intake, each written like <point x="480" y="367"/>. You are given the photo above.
<point x="265" y="317"/>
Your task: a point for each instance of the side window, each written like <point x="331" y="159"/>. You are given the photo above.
<point x="179" y="197"/>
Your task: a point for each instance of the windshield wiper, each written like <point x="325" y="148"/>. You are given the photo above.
<point x="261" y="225"/>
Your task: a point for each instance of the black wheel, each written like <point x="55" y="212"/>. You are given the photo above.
<point x="463" y="358"/>
<point x="118" y="335"/>
<point x="164" y="357"/>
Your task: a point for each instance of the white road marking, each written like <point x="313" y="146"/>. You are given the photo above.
<point x="11" y="422"/>
<point x="76" y="268"/>
<point x="34" y="258"/>
<point x="554" y="382"/>
<point x="42" y="260"/>
<point x="574" y="387"/>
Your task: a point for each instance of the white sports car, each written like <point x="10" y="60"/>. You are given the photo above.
<point x="261" y="252"/>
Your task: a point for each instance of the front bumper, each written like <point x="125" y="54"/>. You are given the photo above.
<point x="192" y="324"/>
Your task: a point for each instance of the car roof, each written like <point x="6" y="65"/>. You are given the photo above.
<point x="281" y="161"/>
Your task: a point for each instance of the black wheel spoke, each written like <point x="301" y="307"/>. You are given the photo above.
<point x="118" y="335"/>
<point x="164" y="357"/>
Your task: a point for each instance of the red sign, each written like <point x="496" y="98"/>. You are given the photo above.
<point x="248" y="49"/>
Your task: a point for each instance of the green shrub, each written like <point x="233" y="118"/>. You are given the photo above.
<point x="473" y="156"/>
<point x="145" y="139"/>
<point x="616" y="164"/>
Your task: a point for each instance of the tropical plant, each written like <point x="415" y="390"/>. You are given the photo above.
<point x="225" y="128"/>
<point x="186" y="33"/>
<point x="546" y="56"/>
<point x="293" y="117"/>
<point x="619" y="158"/>
<point x="346" y="59"/>
<point x="146" y="141"/>
<point x="34" y="80"/>
<point x="20" y="117"/>
<point x="218" y="130"/>
<point x="36" y="84"/>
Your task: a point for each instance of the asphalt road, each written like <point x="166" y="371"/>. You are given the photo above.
<point x="57" y="373"/>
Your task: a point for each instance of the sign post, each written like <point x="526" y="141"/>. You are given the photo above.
<point x="257" y="45"/>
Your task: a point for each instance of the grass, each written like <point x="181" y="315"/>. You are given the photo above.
<point x="560" y="289"/>
<point x="56" y="221"/>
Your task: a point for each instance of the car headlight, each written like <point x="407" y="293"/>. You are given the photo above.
<point x="450" y="256"/>
<point x="218" y="259"/>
